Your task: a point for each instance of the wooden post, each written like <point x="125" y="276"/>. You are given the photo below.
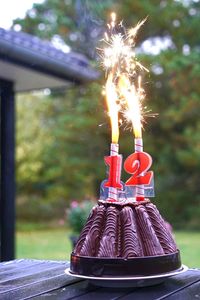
<point x="7" y="191"/>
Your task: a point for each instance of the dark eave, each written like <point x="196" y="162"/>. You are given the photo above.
<point x="22" y="54"/>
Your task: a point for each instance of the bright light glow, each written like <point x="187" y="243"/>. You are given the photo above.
<point x="154" y="46"/>
<point x="10" y="10"/>
<point x="134" y="107"/>
<point x="113" y="19"/>
<point x="111" y="97"/>
<point x="123" y="87"/>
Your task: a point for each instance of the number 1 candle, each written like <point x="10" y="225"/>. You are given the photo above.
<point x="114" y="161"/>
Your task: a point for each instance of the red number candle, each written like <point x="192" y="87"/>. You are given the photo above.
<point x="114" y="161"/>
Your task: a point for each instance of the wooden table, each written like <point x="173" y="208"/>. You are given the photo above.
<point x="37" y="279"/>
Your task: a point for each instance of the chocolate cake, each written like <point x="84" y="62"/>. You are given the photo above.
<point x="125" y="240"/>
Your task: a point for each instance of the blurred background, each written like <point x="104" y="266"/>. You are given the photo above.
<point x="63" y="135"/>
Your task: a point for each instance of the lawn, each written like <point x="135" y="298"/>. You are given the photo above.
<point x="55" y="244"/>
<point x="44" y="244"/>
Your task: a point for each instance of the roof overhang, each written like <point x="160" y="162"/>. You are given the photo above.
<point x="35" y="64"/>
<point x="26" y="79"/>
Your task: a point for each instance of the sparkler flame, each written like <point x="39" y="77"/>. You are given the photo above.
<point x="113" y="109"/>
<point x="123" y="87"/>
<point x="133" y="112"/>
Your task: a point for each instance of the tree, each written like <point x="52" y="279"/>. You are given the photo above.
<point x="172" y="90"/>
<point x="58" y="152"/>
<point x="173" y="137"/>
<point x="78" y="23"/>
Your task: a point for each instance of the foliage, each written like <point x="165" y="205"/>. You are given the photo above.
<point x="68" y="162"/>
<point x="56" y="139"/>
<point x="33" y="137"/>
<point x="77" y="215"/>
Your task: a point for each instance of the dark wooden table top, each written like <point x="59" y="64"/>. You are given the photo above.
<point x="37" y="279"/>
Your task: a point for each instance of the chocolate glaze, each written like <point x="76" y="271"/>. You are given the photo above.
<point x="125" y="240"/>
<point x="162" y="232"/>
<point x="85" y="230"/>
<point x="125" y="231"/>
<point x="131" y="244"/>
<point x="150" y="242"/>
<point x="109" y="241"/>
<point x="91" y="244"/>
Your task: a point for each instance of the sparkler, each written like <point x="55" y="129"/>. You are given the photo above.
<point x="124" y="92"/>
<point x="115" y="160"/>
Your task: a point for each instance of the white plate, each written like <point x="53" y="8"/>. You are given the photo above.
<point x="129" y="281"/>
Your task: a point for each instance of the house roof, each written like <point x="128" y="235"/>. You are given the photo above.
<point x="34" y="64"/>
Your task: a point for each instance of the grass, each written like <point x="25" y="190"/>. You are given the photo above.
<point x="51" y="244"/>
<point x="189" y="245"/>
<point x="54" y="244"/>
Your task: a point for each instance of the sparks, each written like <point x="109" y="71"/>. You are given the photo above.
<point x="123" y="86"/>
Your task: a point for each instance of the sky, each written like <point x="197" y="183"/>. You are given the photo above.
<point x="12" y="9"/>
